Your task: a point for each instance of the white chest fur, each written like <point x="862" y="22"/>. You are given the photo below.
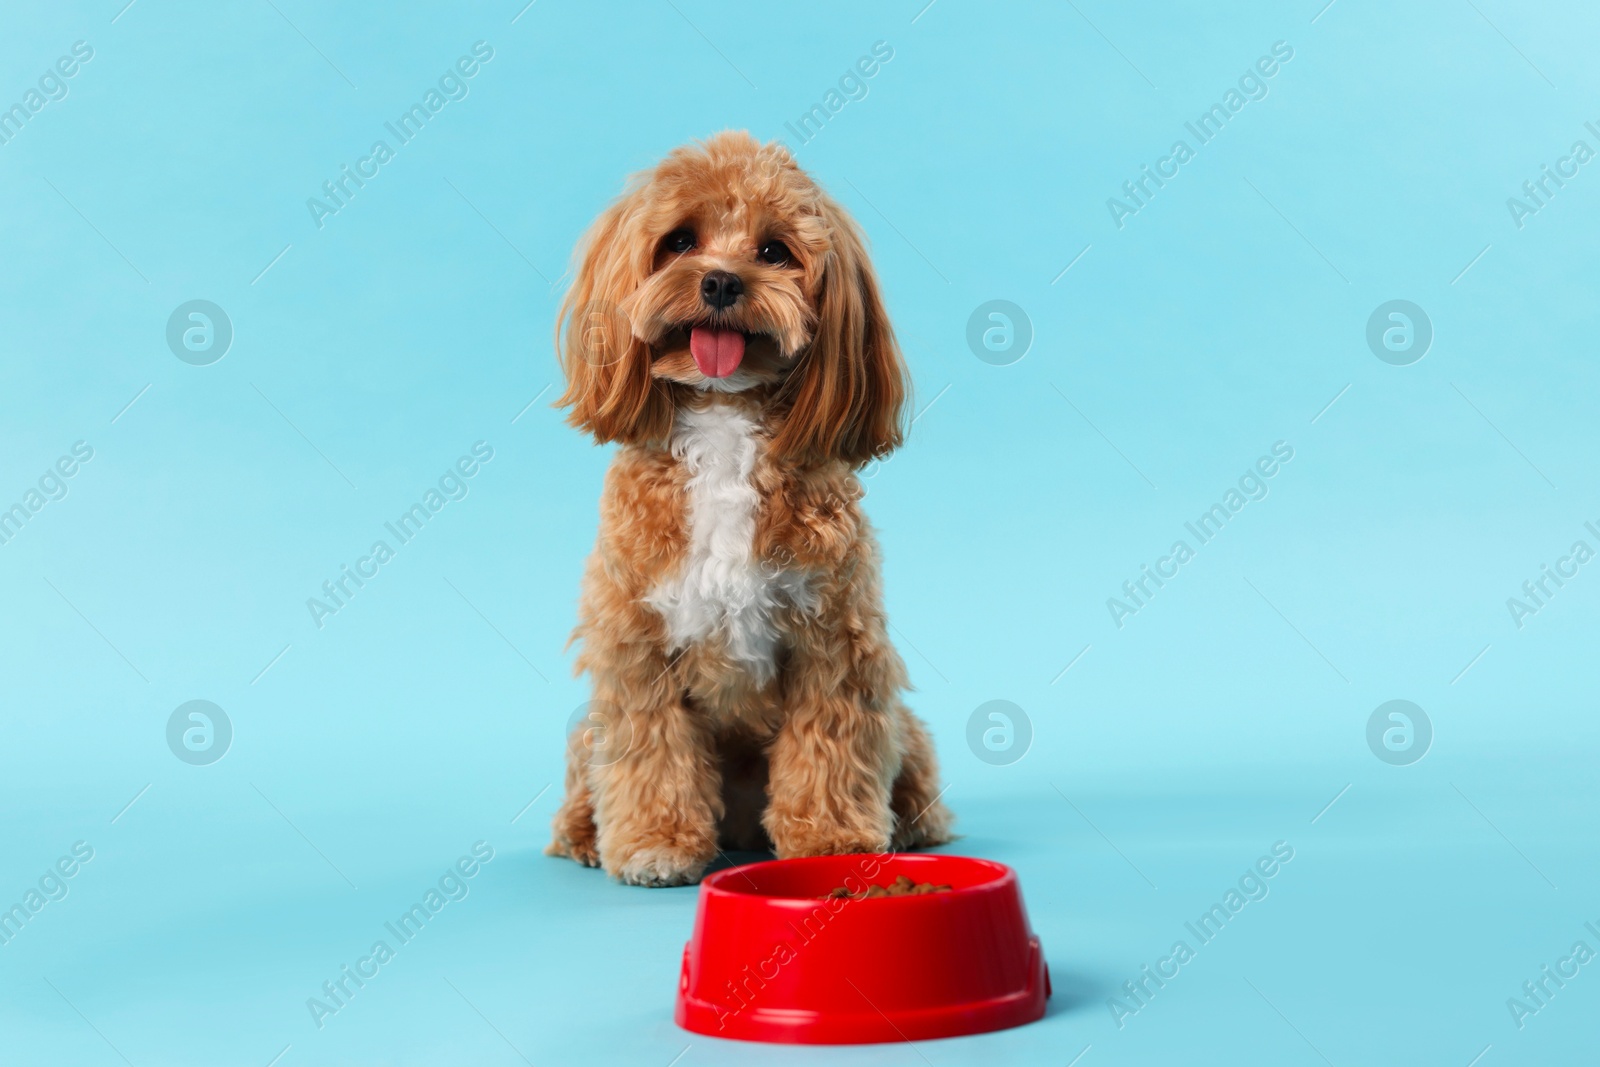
<point x="722" y="588"/>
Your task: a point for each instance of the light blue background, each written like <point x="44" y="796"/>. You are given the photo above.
<point x="427" y="714"/>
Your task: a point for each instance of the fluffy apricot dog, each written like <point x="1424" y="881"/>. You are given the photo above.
<point x="725" y="328"/>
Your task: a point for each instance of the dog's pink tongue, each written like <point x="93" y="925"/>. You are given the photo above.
<point x="716" y="352"/>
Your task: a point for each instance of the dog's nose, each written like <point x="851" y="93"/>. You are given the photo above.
<point x="720" y="288"/>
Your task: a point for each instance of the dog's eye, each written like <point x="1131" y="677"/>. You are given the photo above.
<point x="774" y="252"/>
<point x="679" y="241"/>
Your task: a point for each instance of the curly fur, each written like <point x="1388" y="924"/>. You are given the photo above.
<point x="731" y="619"/>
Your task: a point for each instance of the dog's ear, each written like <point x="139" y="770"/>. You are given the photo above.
<point x="609" y="387"/>
<point x="844" y="399"/>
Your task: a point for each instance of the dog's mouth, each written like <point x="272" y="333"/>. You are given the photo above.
<point x="717" y="350"/>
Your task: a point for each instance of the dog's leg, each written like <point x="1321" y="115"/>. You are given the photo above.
<point x="920" y="817"/>
<point x="657" y="801"/>
<point x="830" y="777"/>
<point x="838" y="750"/>
<point x="572" y="830"/>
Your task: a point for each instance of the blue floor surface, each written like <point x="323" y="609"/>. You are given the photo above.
<point x="1349" y="329"/>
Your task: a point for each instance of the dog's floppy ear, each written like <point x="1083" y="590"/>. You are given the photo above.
<point x="844" y="398"/>
<point x="609" y="386"/>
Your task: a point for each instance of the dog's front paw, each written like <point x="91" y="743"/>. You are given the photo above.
<point x="573" y="834"/>
<point x="583" y="851"/>
<point x="799" y="839"/>
<point x="659" y="865"/>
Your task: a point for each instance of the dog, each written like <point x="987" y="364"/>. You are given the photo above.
<point x="725" y="328"/>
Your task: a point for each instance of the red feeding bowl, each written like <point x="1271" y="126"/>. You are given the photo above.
<point x="773" y="959"/>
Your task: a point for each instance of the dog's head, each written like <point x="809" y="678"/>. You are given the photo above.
<point x="726" y="268"/>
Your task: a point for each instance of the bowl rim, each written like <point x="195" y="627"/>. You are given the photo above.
<point x="722" y="884"/>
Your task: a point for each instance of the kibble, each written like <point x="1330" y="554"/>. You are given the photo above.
<point x="900" y="887"/>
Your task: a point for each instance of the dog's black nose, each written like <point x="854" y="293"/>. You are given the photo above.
<point x="720" y="288"/>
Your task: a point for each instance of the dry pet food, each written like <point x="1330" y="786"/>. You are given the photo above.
<point x="900" y="887"/>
